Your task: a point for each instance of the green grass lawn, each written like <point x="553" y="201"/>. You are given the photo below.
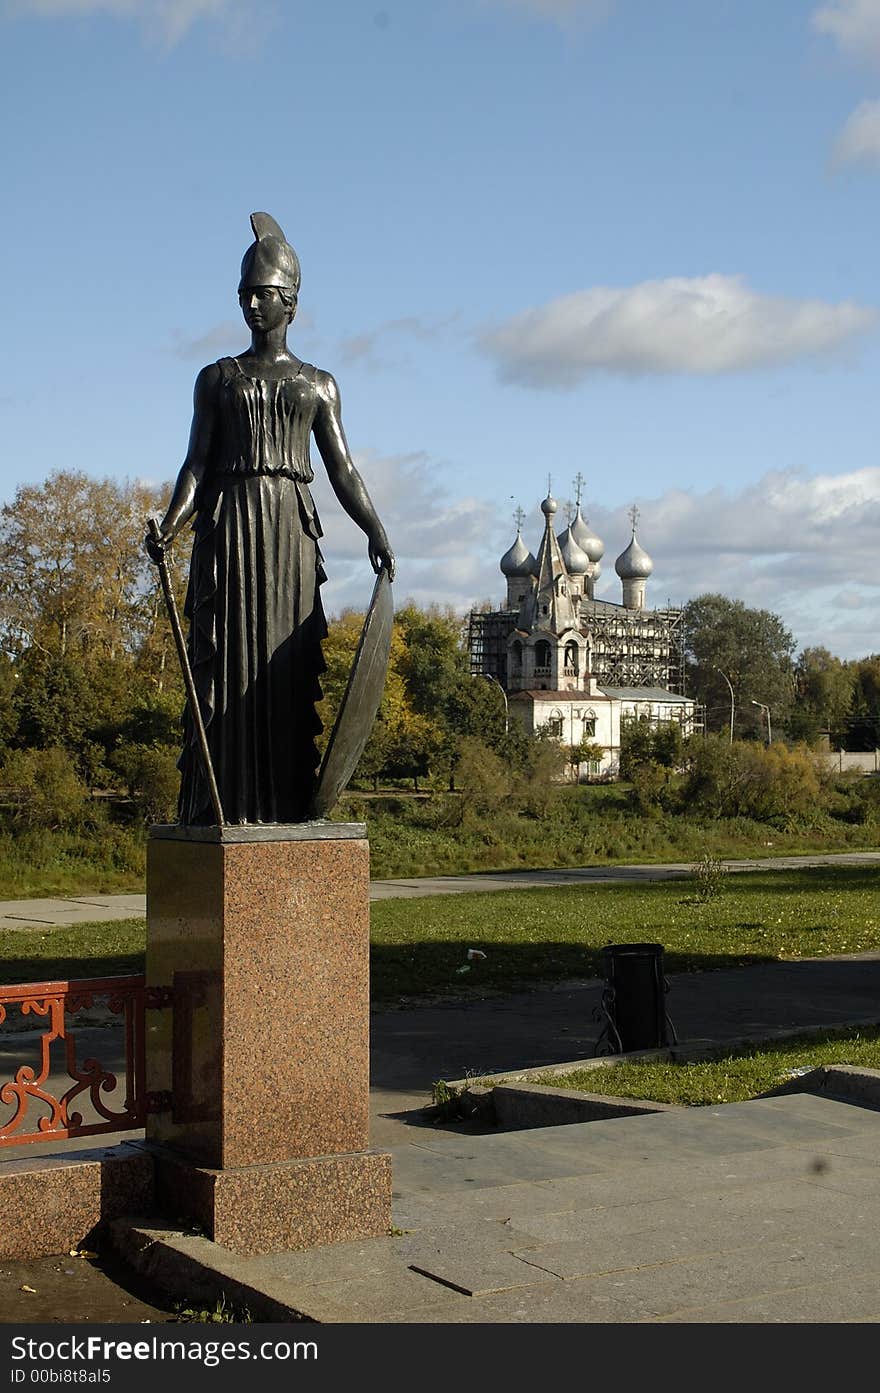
<point x="111" y="949"/>
<point x="743" y="1074"/>
<point x="420" y="946"/>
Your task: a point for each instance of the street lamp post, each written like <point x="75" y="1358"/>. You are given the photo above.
<point x="489" y="678"/>
<point x="730" y="687"/>
<point x="766" y="709"/>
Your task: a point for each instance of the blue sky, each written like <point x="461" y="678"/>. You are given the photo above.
<point x="634" y="239"/>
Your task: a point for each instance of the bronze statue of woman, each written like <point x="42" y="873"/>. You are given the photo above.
<point x="255" y="617"/>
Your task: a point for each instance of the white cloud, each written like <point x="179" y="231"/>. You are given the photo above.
<point x="859" y="141"/>
<point x="168" y="20"/>
<point x="562" y="12"/>
<point x="706" y="325"/>
<point x="854" y="24"/>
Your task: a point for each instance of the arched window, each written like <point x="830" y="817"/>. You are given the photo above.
<point x="542" y="657"/>
<point x="516" y="656"/>
<point x="570" y="661"/>
<point x="589" y="724"/>
<point x="556" y="724"/>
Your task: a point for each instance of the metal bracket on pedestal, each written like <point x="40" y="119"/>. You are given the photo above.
<point x="155" y="998"/>
<point x="158" y="1102"/>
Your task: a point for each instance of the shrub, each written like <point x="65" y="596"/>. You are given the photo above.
<point x="537" y="788"/>
<point x="482" y="778"/>
<point x="864" y="799"/>
<point x="652" y="789"/>
<point x="744" y="779"/>
<point x="45" y="787"/>
<point x="151" y="777"/>
<point x="778" y="784"/>
<point x="712" y="776"/>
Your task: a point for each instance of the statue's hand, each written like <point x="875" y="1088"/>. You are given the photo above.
<point x="381" y="556"/>
<point x="157" y="543"/>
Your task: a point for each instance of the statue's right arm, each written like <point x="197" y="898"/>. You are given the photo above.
<point x="184" y="499"/>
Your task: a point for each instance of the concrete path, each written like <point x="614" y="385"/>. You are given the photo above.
<point x="61" y="911"/>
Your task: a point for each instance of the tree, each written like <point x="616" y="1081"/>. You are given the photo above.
<point x="584" y="752"/>
<point x="440" y="686"/>
<point x="73" y="571"/>
<point x="824" y="686"/>
<point x="752" y="648"/>
<point x="643" y="741"/>
<point x="864" y="732"/>
<point x="403" y="741"/>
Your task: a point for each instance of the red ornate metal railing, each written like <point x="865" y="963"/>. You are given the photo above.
<point x="40" y="1111"/>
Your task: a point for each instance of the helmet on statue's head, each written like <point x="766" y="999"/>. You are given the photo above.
<point x="270" y="260"/>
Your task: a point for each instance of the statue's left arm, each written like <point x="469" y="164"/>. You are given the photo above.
<point x="347" y="483"/>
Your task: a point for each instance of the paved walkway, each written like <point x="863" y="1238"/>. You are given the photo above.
<point x="62" y="910"/>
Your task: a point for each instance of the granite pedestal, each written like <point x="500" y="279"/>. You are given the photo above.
<point x="258" y="1048"/>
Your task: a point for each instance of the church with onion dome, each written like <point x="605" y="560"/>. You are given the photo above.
<point x="573" y="664"/>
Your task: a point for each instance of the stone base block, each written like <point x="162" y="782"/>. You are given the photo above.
<point x="51" y="1204"/>
<point x="282" y="1206"/>
<point x="262" y="1048"/>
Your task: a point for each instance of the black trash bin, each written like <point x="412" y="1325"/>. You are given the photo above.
<point x="634" y="999"/>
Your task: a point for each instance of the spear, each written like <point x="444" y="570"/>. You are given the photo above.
<point x="191" y="695"/>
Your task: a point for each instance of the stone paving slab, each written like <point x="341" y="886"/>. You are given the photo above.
<point x="861" y="1146"/>
<point x="418" y="1169"/>
<point x="367" y="1299"/>
<point x="856" y="1300"/>
<point x="638" y="1295"/>
<point x="474" y="1264"/>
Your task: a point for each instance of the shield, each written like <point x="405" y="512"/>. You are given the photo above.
<point x="360" y="703"/>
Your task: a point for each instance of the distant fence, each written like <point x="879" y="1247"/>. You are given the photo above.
<point x="867" y="761"/>
<point x="43" y="1077"/>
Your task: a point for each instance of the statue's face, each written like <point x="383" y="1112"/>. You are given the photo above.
<point x="263" y="308"/>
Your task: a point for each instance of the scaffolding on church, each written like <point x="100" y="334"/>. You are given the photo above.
<point x="488" y="632"/>
<point x="628" y="647"/>
<point x="635" y="647"/>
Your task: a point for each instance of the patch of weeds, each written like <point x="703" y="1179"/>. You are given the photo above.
<point x="223" y="1313"/>
<point x="710" y="878"/>
<point x="446" y="1102"/>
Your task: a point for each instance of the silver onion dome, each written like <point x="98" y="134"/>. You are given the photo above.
<point x="518" y="561"/>
<point x="634" y="563"/>
<point x="576" y="560"/>
<point x="586" y="538"/>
